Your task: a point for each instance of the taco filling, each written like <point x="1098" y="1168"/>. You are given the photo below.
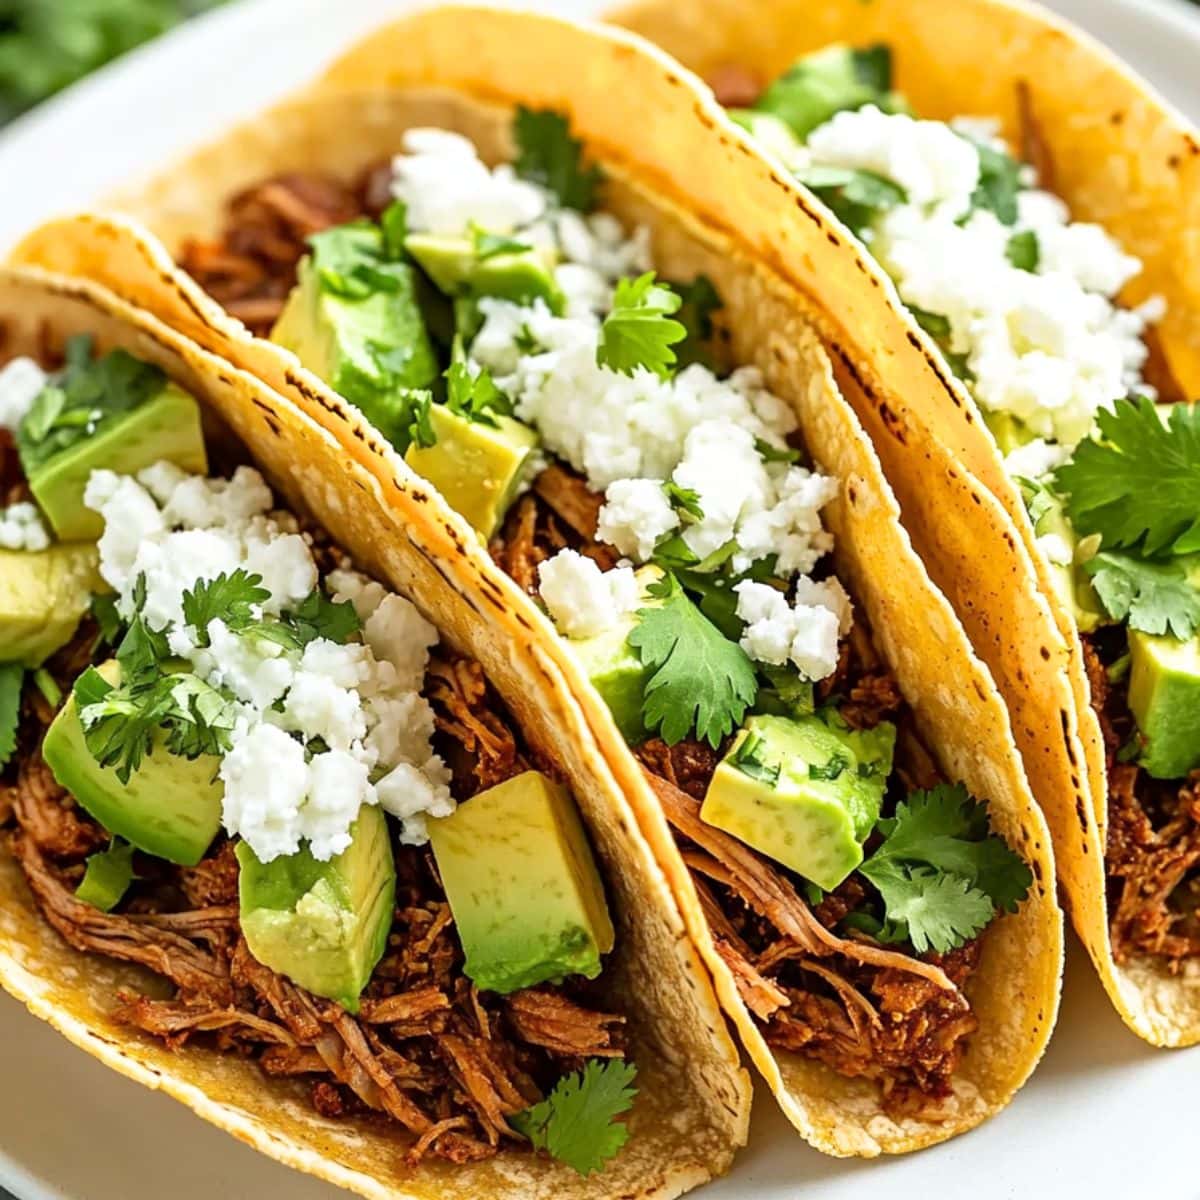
<point x="1024" y="305"/>
<point x="513" y="341"/>
<point x="234" y="760"/>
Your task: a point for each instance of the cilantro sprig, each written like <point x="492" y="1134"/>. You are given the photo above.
<point x="549" y="155"/>
<point x="236" y="599"/>
<point x="1154" y="597"/>
<point x="471" y="393"/>
<point x="638" y="331"/>
<point x="940" y="872"/>
<point x="576" y="1123"/>
<point x="855" y="197"/>
<point x="1137" y="482"/>
<point x="699" y="681"/>
<point x="12" y="676"/>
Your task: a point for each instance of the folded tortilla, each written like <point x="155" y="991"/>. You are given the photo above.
<point x="1120" y="156"/>
<point x="466" y="70"/>
<point x="693" y="1100"/>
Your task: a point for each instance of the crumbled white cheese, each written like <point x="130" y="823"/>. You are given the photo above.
<point x="628" y="435"/>
<point x="806" y="635"/>
<point x="445" y="186"/>
<point x="1049" y="347"/>
<point x="938" y="169"/>
<point x="315" y="726"/>
<point x="21" y="382"/>
<point x="1035" y="460"/>
<point x="582" y="599"/>
<point x="21" y="528"/>
<point x="635" y="517"/>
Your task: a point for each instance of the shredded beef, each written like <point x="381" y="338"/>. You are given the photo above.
<point x="735" y="86"/>
<point x="864" y="1009"/>
<point x="1152" y="856"/>
<point x="251" y="268"/>
<point x="429" y="1051"/>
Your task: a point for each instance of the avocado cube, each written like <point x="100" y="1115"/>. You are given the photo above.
<point x="43" y="596"/>
<point x="523" y="885"/>
<point x="1164" y="697"/>
<point x="324" y="925"/>
<point x="477" y="467"/>
<point x="457" y="267"/>
<point x="614" y="667"/>
<point x="166" y="426"/>
<point x="803" y="791"/>
<point x="373" y="349"/>
<point x="171" y="806"/>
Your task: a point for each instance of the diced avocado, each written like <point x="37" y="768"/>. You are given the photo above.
<point x="171" y="806"/>
<point x="369" y="345"/>
<point x="43" y="596"/>
<point x="1011" y="433"/>
<point x="477" y="467"/>
<point x="456" y="265"/>
<point x="107" y="877"/>
<point x="166" y="426"/>
<point x="523" y="885"/>
<point x="804" y="792"/>
<point x="324" y="925"/>
<point x="1164" y="697"/>
<point x="615" y="668"/>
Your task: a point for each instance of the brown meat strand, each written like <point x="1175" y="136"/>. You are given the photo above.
<point x="251" y="268"/>
<point x="50" y="817"/>
<point x="1152" y="856"/>
<point x="549" y="1019"/>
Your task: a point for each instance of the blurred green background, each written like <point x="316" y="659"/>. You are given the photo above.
<point x="45" y="45"/>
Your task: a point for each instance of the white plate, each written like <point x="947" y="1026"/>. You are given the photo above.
<point x="1105" y="1116"/>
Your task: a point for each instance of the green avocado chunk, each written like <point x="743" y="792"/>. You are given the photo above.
<point x="615" y="668"/>
<point x="477" y="467"/>
<point x="43" y="596"/>
<point x="324" y="925"/>
<point x="522" y="885"/>
<point x="171" y="806"/>
<point x="1164" y="697"/>
<point x="165" y="426"/>
<point x="805" y="792"/>
<point x="458" y="266"/>
<point x="366" y="339"/>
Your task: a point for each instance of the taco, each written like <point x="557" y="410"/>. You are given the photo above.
<point x="1035" y="220"/>
<point x="493" y="286"/>
<point x="277" y="844"/>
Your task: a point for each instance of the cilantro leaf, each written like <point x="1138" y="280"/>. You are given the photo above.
<point x="775" y="454"/>
<point x="855" y="197"/>
<point x="549" y="155"/>
<point x="11" y="677"/>
<point x="1155" y="597"/>
<point x="832" y="769"/>
<point x="576" y="1123"/>
<point x="232" y="598"/>
<point x="108" y="620"/>
<point x="699" y="680"/>
<point x="999" y="183"/>
<point x="685" y="501"/>
<point x="421" y="430"/>
<point x="490" y="245"/>
<point x="393" y="224"/>
<point x="940" y="872"/>
<point x="1024" y="250"/>
<point x="107" y="876"/>
<point x="748" y="758"/>
<point x="1136" y="483"/>
<point x="638" y="331"/>
<point x="820" y="85"/>
<point x="937" y="912"/>
<point x="700" y="299"/>
<point x="319" y="617"/>
<point x="473" y="394"/>
<point x="86" y="397"/>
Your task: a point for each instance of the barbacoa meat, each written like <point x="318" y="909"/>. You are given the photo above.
<point x="865" y="1010"/>
<point x="1152" y="857"/>
<point x="429" y="1051"/>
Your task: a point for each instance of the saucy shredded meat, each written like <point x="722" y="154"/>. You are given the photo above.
<point x="864" y="1009"/>
<point x="1152" y="857"/>
<point x="428" y="1050"/>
